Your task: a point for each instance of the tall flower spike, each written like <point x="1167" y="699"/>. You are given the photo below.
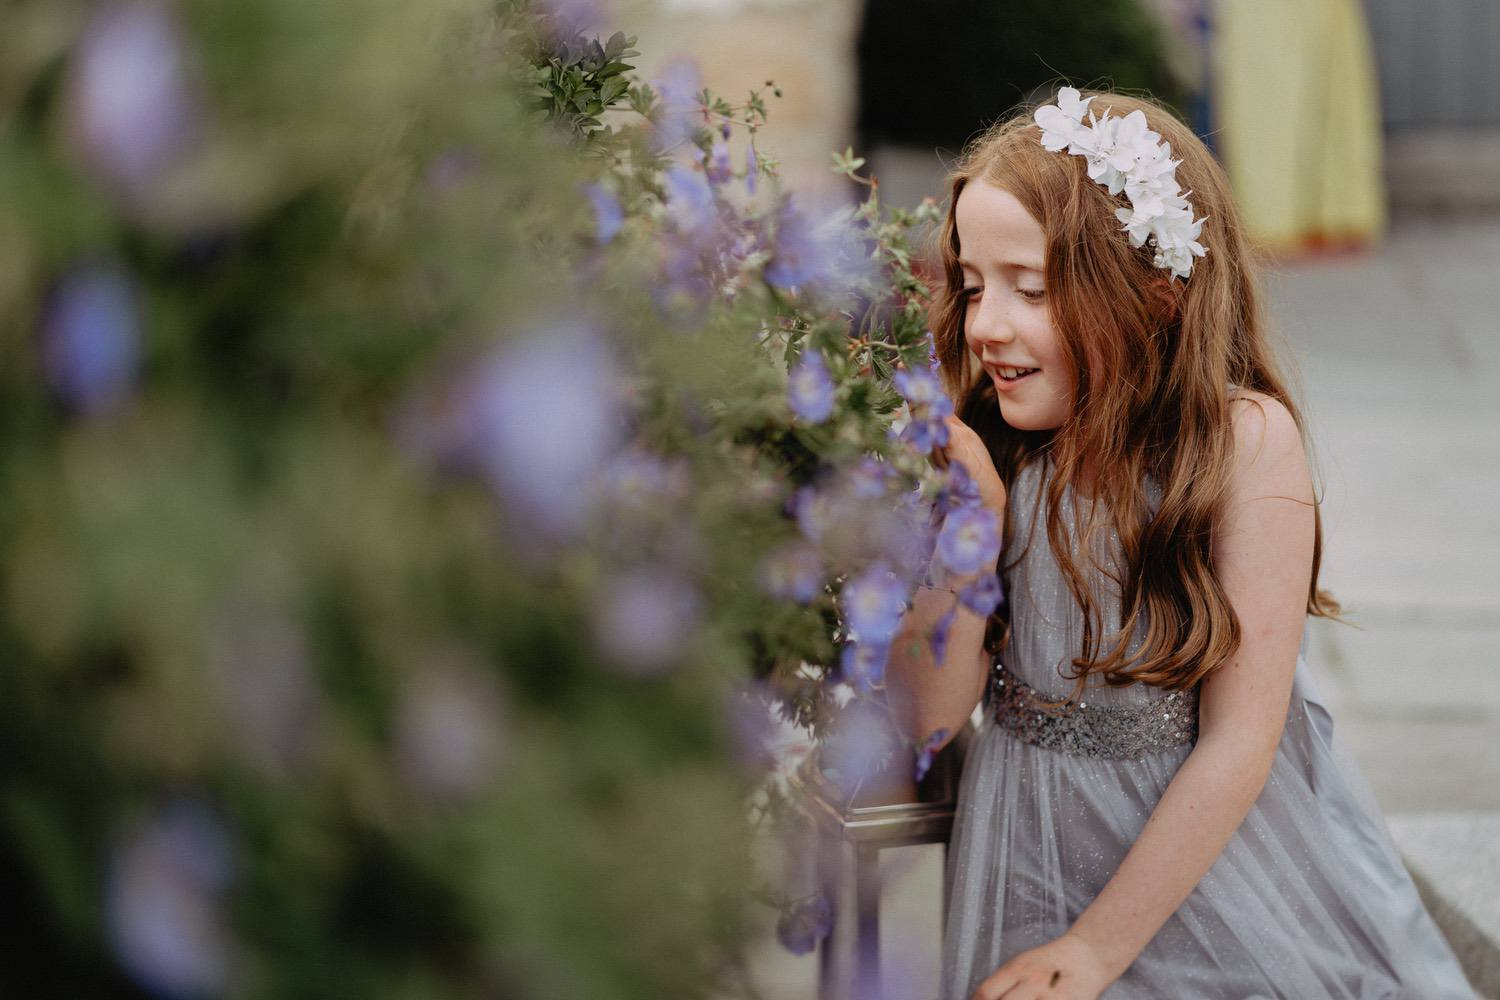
<point x="1124" y="155"/>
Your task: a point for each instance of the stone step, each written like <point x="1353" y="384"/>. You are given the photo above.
<point x="1454" y="858"/>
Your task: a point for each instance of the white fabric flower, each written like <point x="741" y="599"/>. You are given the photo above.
<point x="1125" y="155"/>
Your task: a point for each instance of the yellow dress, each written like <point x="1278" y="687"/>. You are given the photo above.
<point x="1297" y="106"/>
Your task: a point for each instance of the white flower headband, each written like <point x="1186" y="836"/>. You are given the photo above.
<point x="1124" y="155"/>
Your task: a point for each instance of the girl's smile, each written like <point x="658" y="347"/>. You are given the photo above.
<point x="1007" y="321"/>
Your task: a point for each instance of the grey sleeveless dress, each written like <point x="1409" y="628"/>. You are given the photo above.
<point x="1309" y="899"/>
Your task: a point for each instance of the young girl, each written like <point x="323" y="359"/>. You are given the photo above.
<point x="1153" y="805"/>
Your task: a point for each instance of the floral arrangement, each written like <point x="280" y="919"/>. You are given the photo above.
<point x="1124" y="155"/>
<point x="436" y="459"/>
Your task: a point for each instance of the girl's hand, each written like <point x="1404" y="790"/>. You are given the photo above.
<point x="1067" y="968"/>
<point x="964" y="445"/>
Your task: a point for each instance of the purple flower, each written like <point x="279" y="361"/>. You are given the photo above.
<point x="929" y="406"/>
<point x="969" y="541"/>
<point x="869" y="478"/>
<point x="933" y="365"/>
<point x="793" y="572"/>
<point x="608" y="215"/>
<point x="680" y="87"/>
<point x="128" y="93"/>
<point x="642" y="481"/>
<point x="864" y="747"/>
<point x="575" y="17"/>
<point x="815" y="510"/>
<point x="810" y="387"/>
<point x="718" y="169"/>
<point x="863" y="665"/>
<point x="939" y="640"/>
<point x="820" y="250"/>
<point x="873" y="603"/>
<point x="746" y="711"/>
<point x="982" y="596"/>
<point x="164" y="901"/>
<point x="924" y="758"/>
<point x="960" y="489"/>
<point x="752" y="169"/>
<point x="645" y="618"/>
<point x="450" y="728"/>
<point x="540" y="418"/>
<point x="690" y="201"/>
<point x="804" y="924"/>
<point x="91" y="338"/>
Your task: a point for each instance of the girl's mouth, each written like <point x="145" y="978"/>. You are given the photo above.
<point x="1021" y="373"/>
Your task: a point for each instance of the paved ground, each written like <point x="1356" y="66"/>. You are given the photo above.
<point x="1399" y="352"/>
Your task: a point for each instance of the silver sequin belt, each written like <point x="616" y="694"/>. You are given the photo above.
<point x="1117" y="732"/>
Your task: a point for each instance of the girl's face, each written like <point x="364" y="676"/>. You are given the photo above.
<point x="1007" y="321"/>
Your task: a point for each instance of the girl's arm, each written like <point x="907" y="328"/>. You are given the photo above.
<point x="1262" y="552"/>
<point x="926" y="696"/>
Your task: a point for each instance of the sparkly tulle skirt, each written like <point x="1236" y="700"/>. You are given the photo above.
<point x="1309" y="899"/>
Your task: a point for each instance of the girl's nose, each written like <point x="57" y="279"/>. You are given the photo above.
<point x="990" y="322"/>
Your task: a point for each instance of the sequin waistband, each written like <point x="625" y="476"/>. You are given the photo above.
<point x="1117" y="732"/>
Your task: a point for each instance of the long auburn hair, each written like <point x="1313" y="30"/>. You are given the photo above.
<point x="1154" y="360"/>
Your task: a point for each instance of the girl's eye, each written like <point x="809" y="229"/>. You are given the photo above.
<point x="969" y="292"/>
<point x="1031" y="294"/>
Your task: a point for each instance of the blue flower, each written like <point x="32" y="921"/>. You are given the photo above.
<point x="718" y="169"/>
<point x="969" y="540"/>
<point x="91" y="338"/>
<point x="793" y="572"/>
<point x="924" y="758"/>
<point x="864" y="747"/>
<point x="806" y="923"/>
<point x="982" y="596"/>
<point x="933" y="365"/>
<point x="869" y="478"/>
<point x="825" y="254"/>
<point x="863" y="665"/>
<point x="960" y="489"/>
<point x="929" y="407"/>
<point x="164" y="901"/>
<point x="690" y="201"/>
<point x="129" y="93"/>
<point x="538" y="418"/>
<point x="815" y="511"/>
<point x="873" y="604"/>
<point x="607" y="212"/>
<point x="680" y="86"/>
<point x="810" y="387"/>
<point x="645" y="619"/>
<point x="939" y="640"/>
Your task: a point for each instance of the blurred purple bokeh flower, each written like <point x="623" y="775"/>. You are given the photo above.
<point x="864" y="747"/>
<point x="537" y="417"/>
<point x="645" y="617"/>
<point x="575" y="17"/>
<point x="91" y="337"/>
<point x="163" y="901"/>
<point x="129" y="99"/>
<point x="752" y="168"/>
<point x="818" y="249"/>
<point x="804" y="924"/>
<point x="873" y="603"/>
<point x="680" y="86"/>
<point x="982" y="596"/>
<point x="718" y="169"/>
<point x="863" y="664"/>
<point x="969" y="541"/>
<point x="810" y="387"/>
<point x="751" y="726"/>
<point x="793" y="572"/>
<point x="608" y="215"/>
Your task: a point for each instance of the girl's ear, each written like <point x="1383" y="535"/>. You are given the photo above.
<point x="1165" y="297"/>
